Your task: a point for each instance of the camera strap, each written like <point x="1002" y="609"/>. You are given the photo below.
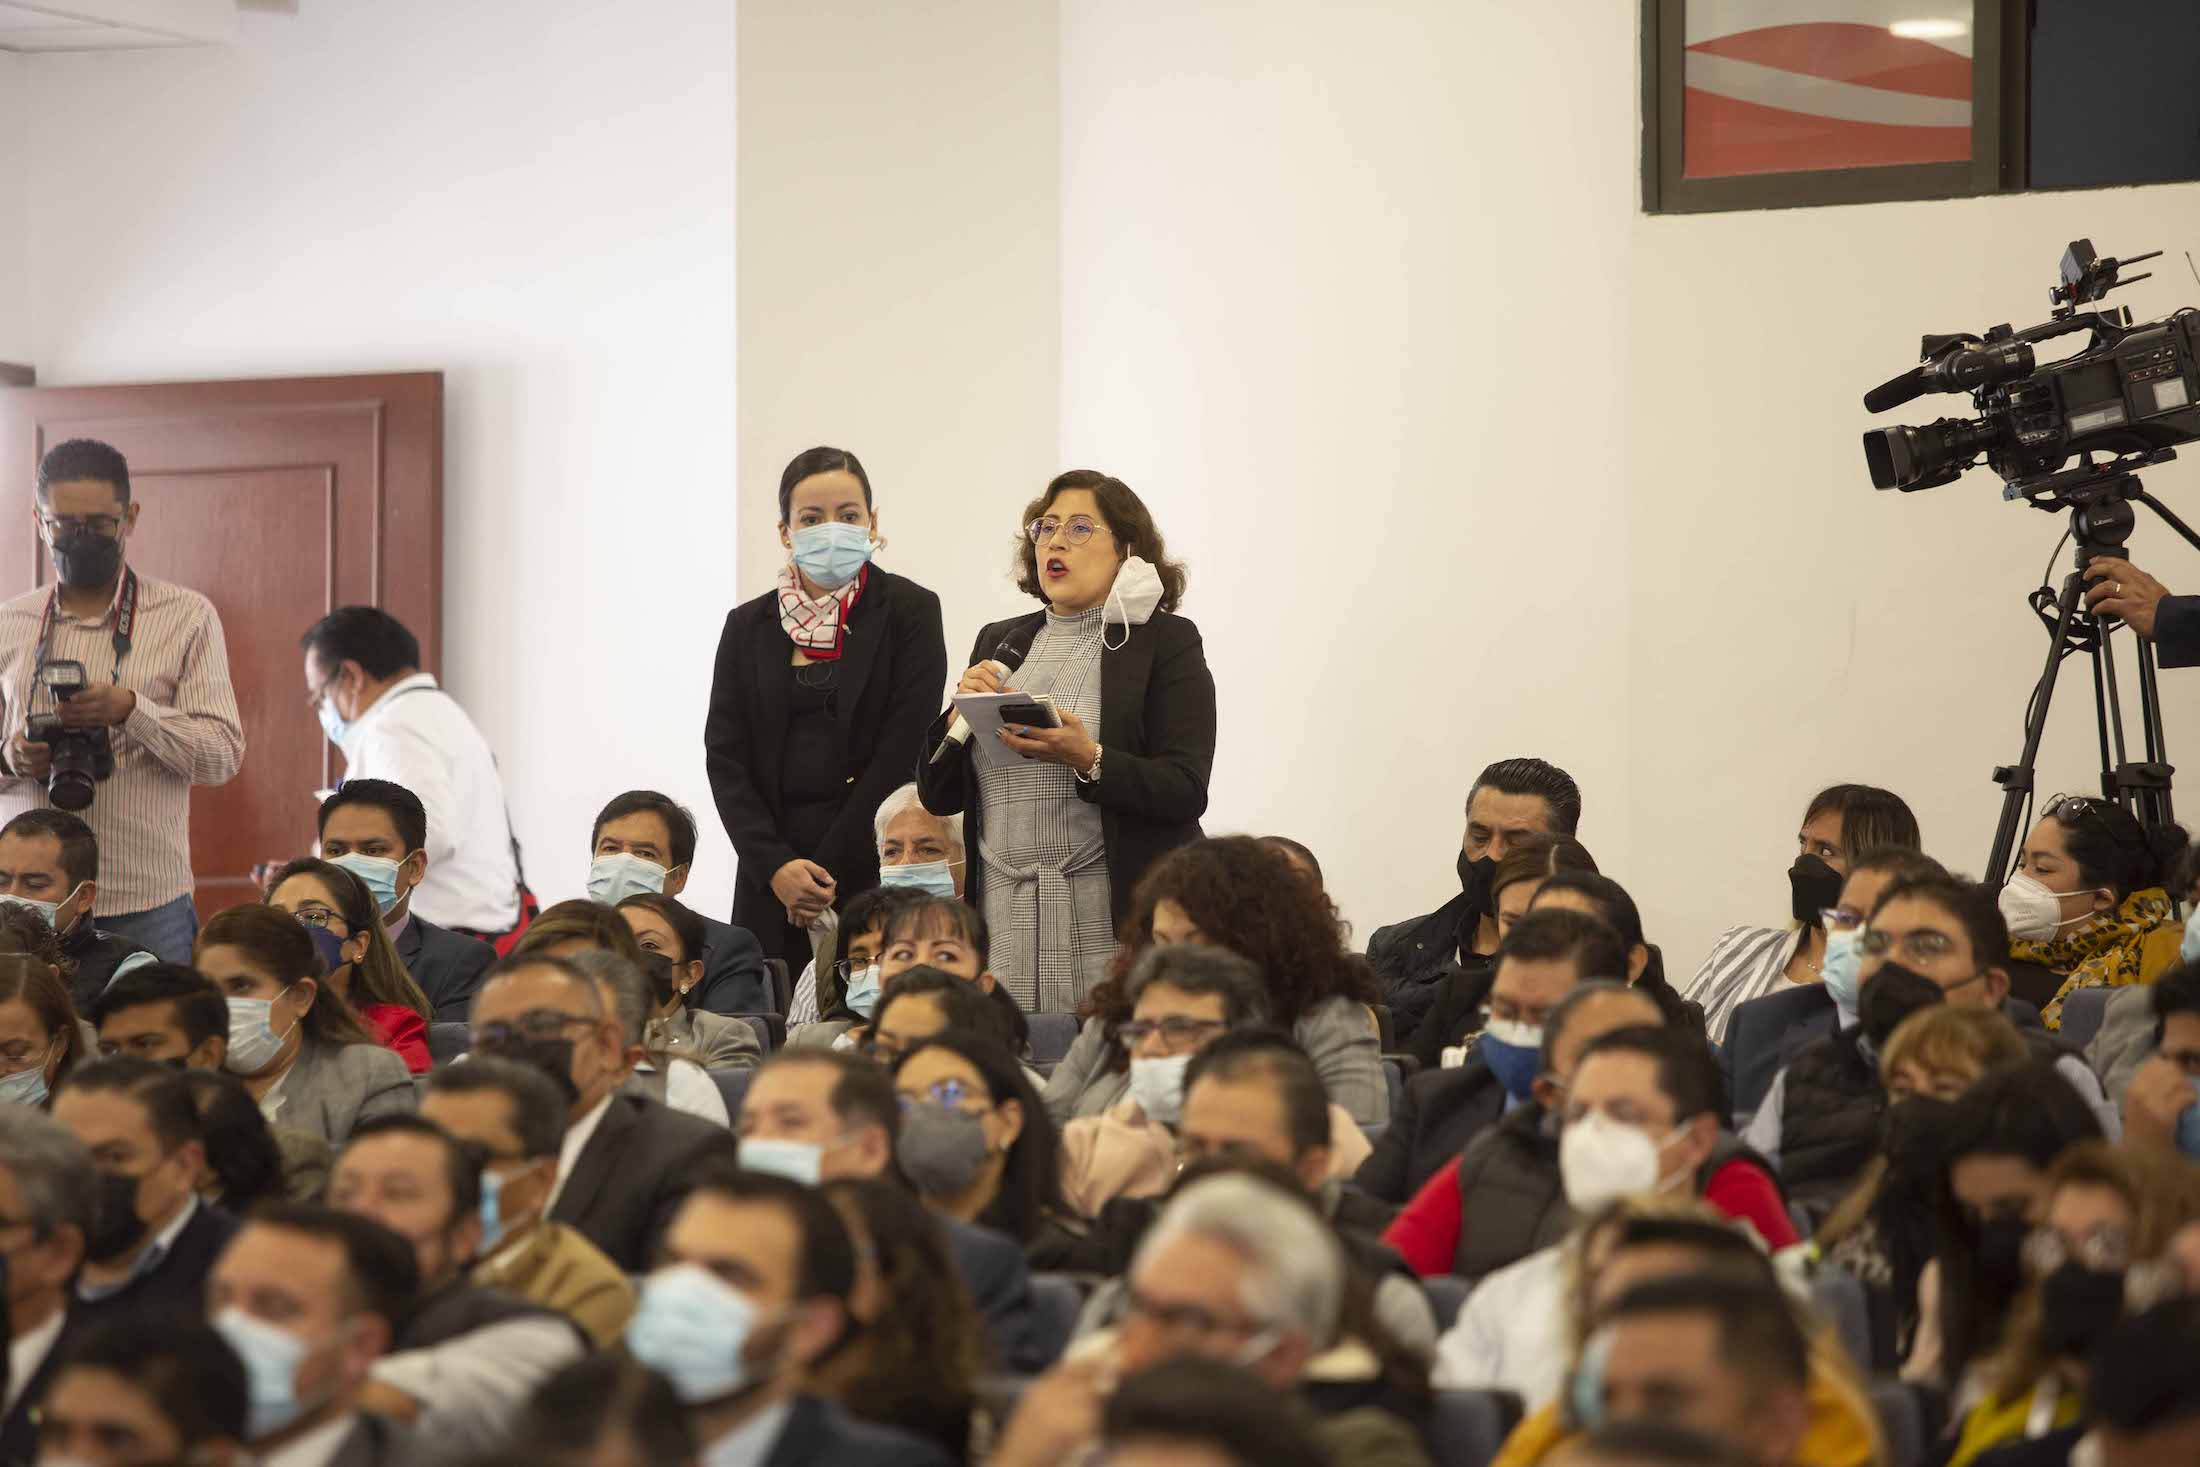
<point x="125" y="621"/>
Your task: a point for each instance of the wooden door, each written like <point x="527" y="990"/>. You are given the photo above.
<point x="279" y="500"/>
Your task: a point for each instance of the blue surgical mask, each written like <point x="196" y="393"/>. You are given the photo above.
<point x="2189" y="950"/>
<point x="1513" y="1050"/>
<point x="614" y="878"/>
<point x="253" y="1042"/>
<point x="378" y="872"/>
<point x="492" y="1211"/>
<point x="1842" y="971"/>
<point x="831" y="554"/>
<point x="49" y="911"/>
<point x="862" y="995"/>
<point x="26" y="1087"/>
<point x="693" y="1328"/>
<point x="271" y="1358"/>
<point x="934" y="877"/>
<point x="334" y="724"/>
<point x="797" y="1161"/>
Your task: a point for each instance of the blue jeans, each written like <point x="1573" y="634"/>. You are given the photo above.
<point x="167" y="931"/>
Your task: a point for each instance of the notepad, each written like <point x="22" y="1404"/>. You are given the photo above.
<point x="983" y="713"/>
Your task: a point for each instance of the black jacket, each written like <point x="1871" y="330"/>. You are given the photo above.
<point x="1513" y="1201"/>
<point x="1443" y="1111"/>
<point x="893" y="663"/>
<point x="96" y="955"/>
<point x="18" y="1431"/>
<point x="1831" y="1111"/>
<point x="733" y="979"/>
<point x="999" y="1280"/>
<point x="1456" y="1013"/>
<point x="2177" y="631"/>
<point x="1413" y="957"/>
<point x="447" y="965"/>
<point x="176" y="1284"/>
<point x="1157" y="736"/>
<point x="819" y="1434"/>
<point x="633" y="1175"/>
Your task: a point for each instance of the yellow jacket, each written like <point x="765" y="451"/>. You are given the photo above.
<point x="1840" y="1434"/>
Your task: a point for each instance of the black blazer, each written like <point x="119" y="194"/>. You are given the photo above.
<point x="18" y="1432"/>
<point x="893" y="663"/>
<point x="447" y="965"/>
<point x="999" y="1280"/>
<point x="820" y="1434"/>
<point x="1157" y="734"/>
<point x="733" y="979"/>
<point x="633" y="1175"/>
<point x="1443" y="1111"/>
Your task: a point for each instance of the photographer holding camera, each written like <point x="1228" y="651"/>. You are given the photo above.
<point x="114" y="699"/>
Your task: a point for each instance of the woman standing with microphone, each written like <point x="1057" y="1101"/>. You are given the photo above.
<point x="823" y="685"/>
<point x="1057" y="839"/>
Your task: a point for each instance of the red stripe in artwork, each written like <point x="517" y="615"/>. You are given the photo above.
<point x="1868" y="55"/>
<point x="1726" y="138"/>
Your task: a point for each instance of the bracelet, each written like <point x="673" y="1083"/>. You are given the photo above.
<point x="1092" y="775"/>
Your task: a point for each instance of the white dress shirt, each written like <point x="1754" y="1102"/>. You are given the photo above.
<point x="416" y="735"/>
<point x="1511" y="1332"/>
<point x="569" y="1151"/>
<point x="470" y="1388"/>
<point x="750" y="1443"/>
<point x="27" y="1352"/>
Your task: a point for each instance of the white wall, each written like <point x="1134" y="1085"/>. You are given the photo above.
<point x="899" y="276"/>
<point x="15" y="326"/>
<point x="542" y="209"/>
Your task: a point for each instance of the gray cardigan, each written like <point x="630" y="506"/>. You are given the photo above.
<point x="714" y="1041"/>
<point x="1338" y="1034"/>
<point x="329" y="1090"/>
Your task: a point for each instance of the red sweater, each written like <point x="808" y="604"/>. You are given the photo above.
<point x="401" y="1030"/>
<point x="1426" y="1232"/>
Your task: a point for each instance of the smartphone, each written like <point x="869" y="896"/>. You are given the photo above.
<point x="1031" y="715"/>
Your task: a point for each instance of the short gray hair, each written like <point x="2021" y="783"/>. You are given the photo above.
<point x="52" y="1169"/>
<point x="631" y="999"/>
<point x="900" y="803"/>
<point x="1198" y="968"/>
<point x="1578" y="997"/>
<point x="1294" y="1266"/>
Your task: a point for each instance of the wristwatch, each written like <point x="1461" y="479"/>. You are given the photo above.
<point x="1092" y="775"/>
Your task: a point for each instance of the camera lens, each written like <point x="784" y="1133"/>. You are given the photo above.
<point x="69" y="789"/>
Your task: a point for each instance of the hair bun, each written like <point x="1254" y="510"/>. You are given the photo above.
<point x="2165" y="851"/>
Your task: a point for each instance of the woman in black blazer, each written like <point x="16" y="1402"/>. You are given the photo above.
<point x="823" y="686"/>
<point x="1057" y="839"/>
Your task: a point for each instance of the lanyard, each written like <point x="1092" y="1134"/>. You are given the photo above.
<point x="125" y="621"/>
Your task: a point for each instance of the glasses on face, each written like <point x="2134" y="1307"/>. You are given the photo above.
<point x="63" y="526"/>
<point x="950" y="1094"/>
<point x="1077" y="529"/>
<point x="19" y="1055"/>
<point x="534" y="1024"/>
<point x="316" y="916"/>
<point x="1923" y="946"/>
<point x="1175" y="1030"/>
<point x="1506" y="1011"/>
<point x="2106" y="1249"/>
<point x="1840" y="919"/>
<point x="1185" y="1319"/>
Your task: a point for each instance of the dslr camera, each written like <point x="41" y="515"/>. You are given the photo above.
<point x="82" y="757"/>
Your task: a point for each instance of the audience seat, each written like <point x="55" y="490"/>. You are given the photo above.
<point x="1051" y="1037"/>
<point x="1465" y="1428"/>
<point x="1446" y="1293"/>
<point x="778" y="986"/>
<point x="2081" y="1014"/>
<point x="1056" y="1301"/>
<point x="771" y="1030"/>
<point x="446" y="1042"/>
<point x="734" y="1086"/>
<point x="1841" y="1298"/>
<point x="1394" y="1076"/>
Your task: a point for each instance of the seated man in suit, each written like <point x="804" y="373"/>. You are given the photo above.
<point x="754" y="1291"/>
<point x="378" y="831"/>
<point x="164" y="1388"/>
<point x="1547" y="954"/>
<point x="626" y="1161"/>
<point x="469" y="1355"/>
<point x="824" y="1114"/>
<point x="50" y="1196"/>
<point x="152" y="1241"/>
<point x="645" y="841"/>
<point x="514" y="1118"/>
<point x="49" y="862"/>
<point x="310" y="1298"/>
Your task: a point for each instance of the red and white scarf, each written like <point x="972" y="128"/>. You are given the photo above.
<point x="817" y="626"/>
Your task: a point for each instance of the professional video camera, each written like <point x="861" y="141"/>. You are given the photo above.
<point x="81" y="756"/>
<point x="2133" y="392"/>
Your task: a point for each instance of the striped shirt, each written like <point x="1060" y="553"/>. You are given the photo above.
<point x="1745" y="963"/>
<point x="183" y="731"/>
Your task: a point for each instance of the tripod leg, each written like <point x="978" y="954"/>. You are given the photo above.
<point x="2110" y="711"/>
<point x="2150" y="714"/>
<point x="2016" y="779"/>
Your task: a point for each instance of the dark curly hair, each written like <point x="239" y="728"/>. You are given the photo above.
<point x="1244" y="896"/>
<point x="1127" y="519"/>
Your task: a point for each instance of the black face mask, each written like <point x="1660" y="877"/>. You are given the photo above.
<point x="1911" y="1135"/>
<point x="1891" y="995"/>
<point x="1474" y="882"/>
<point x="664" y="979"/>
<point x="554" y="1057"/>
<point x="1813" y="886"/>
<point x="116" y="1226"/>
<point x="2078" y="1305"/>
<point x="2000" y="1256"/>
<point x="84" y="560"/>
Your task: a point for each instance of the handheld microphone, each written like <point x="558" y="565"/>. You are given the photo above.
<point x="1008" y="656"/>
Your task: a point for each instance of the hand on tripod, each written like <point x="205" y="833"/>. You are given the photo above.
<point x="2121" y="589"/>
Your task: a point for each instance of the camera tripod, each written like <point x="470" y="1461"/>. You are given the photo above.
<point x="2100" y="499"/>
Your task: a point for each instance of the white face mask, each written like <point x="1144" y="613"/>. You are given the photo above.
<point x="1158" y="1087"/>
<point x="614" y="878"/>
<point x="2033" y="912"/>
<point x="1600" y="1160"/>
<point x="253" y="1042"/>
<point x="51" y="911"/>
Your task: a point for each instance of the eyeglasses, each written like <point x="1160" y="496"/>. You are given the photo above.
<point x="2069" y="808"/>
<point x="1077" y="529"/>
<point x="1174" y="1030"/>
<point x="1915" y="947"/>
<point x="534" y="1024"/>
<point x="2106" y="1249"/>
<point x="316" y="916"/>
<point x="1841" y="919"/>
<point x="62" y="526"/>
<point x="948" y="1093"/>
<point x="1181" y="1318"/>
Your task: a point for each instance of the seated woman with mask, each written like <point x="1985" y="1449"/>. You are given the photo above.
<point x="977" y="1145"/>
<point x="850" y="996"/>
<point x="671" y="939"/>
<point x="345" y="923"/>
<point x="2087" y="906"/>
<point x="300" y="1049"/>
